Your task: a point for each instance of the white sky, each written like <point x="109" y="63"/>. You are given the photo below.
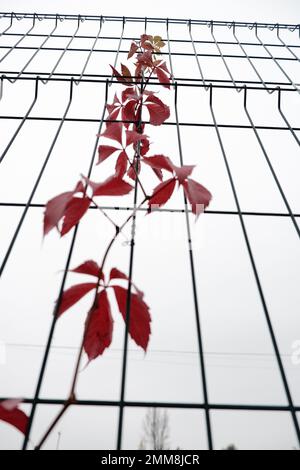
<point x="232" y="317"/>
<point x="266" y="10"/>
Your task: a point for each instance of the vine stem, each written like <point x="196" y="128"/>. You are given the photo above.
<point x="72" y="397"/>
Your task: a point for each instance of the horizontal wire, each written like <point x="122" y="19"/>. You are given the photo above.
<point x="196" y="84"/>
<point x="169" y="123"/>
<point x="187" y="41"/>
<point x="159" y="404"/>
<point x="152" y="81"/>
<point x="125" y="51"/>
<point x="161" y="209"/>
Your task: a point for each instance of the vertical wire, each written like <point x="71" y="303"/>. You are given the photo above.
<point x="36" y="184"/>
<point x="285" y="118"/>
<point x="77" y="81"/>
<point x="20" y="40"/>
<point x="193" y="274"/>
<point x="66" y="269"/>
<point x="44" y="81"/>
<point x="249" y="60"/>
<point x="263" y="148"/>
<point x="275" y="177"/>
<point x="22" y="121"/>
<point x="285" y="45"/>
<point x="13" y="80"/>
<point x="275" y="60"/>
<point x="206" y="87"/>
<point x="256" y="275"/>
<point x="11" y="23"/>
<point x="211" y="26"/>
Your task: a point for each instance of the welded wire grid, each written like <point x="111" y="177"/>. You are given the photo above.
<point x="234" y="101"/>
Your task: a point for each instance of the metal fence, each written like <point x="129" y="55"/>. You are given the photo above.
<point x="202" y="42"/>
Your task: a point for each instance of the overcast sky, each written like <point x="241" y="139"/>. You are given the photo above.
<point x="240" y="364"/>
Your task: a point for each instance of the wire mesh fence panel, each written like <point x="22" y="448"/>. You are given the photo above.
<point x="224" y="293"/>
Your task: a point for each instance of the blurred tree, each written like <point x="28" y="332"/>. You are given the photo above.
<point x="156" y="430"/>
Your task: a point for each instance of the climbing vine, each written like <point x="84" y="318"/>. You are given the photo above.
<point x="125" y="141"/>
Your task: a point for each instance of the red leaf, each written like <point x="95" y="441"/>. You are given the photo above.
<point x="114" y="108"/>
<point x="164" y="67"/>
<point x="88" y="267"/>
<point x="116" y="274"/>
<point x="75" y="210"/>
<point x="139" y="319"/>
<point x="11" y="414"/>
<point x="55" y="209"/>
<point x="98" y="327"/>
<point x="198" y="196"/>
<point x="159" y="162"/>
<point x="112" y="186"/>
<point x="114" y="113"/>
<point x="158" y="173"/>
<point x="182" y="172"/>
<point x="121" y="165"/>
<point x="158" y="112"/>
<point x="145" y="59"/>
<point x="105" y="151"/>
<point x="134" y="169"/>
<point x="72" y="295"/>
<point x="118" y="76"/>
<point x="132" y="137"/>
<point x="126" y="72"/>
<point x="144" y="146"/>
<point x="162" y="193"/>
<point x="113" y="131"/>
<point x="133" y="48"/>
<point x="129" y="93"/>
<point x="128" y="112"/>
<point x="162" y="77"/>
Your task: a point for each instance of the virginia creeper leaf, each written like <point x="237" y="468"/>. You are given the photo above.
<point x="162" y="193"/>
<point x="158" y="113"/>
<point x="129" y="93"/>
<point x="98" y="327"/>
<point x="55" y="209"/>
<point x="159" y="162"/>
<point x="75" y="210"/>
<point x="72" y="295"/>
<point x="104" y="151"/>
<point x="113" y="131"/>
<point x="198" y="196"/>
<point x="88" y="267"/>
<point x="117" y="274"/>
<point x="163" y="78"/>
<point x="112" y="186"/>
<point x="132" y="137"/>
<point x="118" y="76"/>
<point x="182" y="172"/>
<point x="126" y="72"/>
<point x="139" y="319"/>
<point x="128" y="112"/>
<point x="121" y="165"/>
<point x="133" y="48"/>
<point x="11" y="414"/>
